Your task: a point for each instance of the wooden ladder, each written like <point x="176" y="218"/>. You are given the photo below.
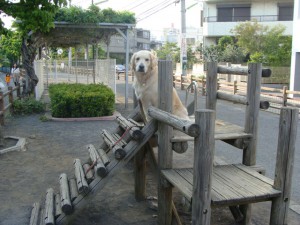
<point x="115" y="152"/>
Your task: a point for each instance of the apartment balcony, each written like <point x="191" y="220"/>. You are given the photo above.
<point x="212" y="27"/>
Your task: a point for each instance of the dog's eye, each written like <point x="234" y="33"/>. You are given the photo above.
<point x="147" y="60"/>
<point x="137" y="59"/>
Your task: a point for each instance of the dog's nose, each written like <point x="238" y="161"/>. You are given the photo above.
<point x="141" y="68"/>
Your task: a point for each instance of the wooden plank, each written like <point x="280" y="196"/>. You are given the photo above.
<point x="211" y="85"/>
<point x="223" y="131"/>
<point x="179" y="182"/>
<point x="35" y="212"/>
<point x="231" y="185"/>
<point x="49" y="207"/>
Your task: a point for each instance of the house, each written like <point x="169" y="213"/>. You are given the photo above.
<point x="220" y="16"/>
<point x="139" y="40"/>
<point x="295" y="62"/>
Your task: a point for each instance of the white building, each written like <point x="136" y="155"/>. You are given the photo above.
<point x="220" y="16"/>
<point x="295" y="63"/>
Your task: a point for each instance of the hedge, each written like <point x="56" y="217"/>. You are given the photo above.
<point x="81" y="100"/>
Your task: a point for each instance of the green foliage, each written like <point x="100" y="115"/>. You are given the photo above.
<point x="169" y="51"/>
<point x="79" y="100"/>
<point x="233" y="54"/>
<point x="27" y="106"/>
<point x="225" y="41"/>
<point x="34" y="15"/>
<point x="10" y="47"/>
<point x="93" y="14"/>
<point x="212" y="53"/>
<point x="264" y="43"/>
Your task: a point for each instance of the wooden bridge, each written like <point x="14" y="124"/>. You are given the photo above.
<point x="206" y="185"/>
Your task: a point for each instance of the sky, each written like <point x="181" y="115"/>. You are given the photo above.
<point x="153" y="15"/>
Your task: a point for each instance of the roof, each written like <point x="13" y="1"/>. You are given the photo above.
<point x="70" y="34"/>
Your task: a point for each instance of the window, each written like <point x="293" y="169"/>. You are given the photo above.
<point x="285" y="12"/>
<point x="233" y="12"/>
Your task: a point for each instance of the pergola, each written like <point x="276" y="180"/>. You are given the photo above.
<point x="67" y="34"/>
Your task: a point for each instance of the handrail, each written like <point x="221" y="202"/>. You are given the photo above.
<point x="195" y="86"/>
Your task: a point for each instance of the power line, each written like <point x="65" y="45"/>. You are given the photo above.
<point x="138" y="20"/>
<point x="154" y="8"/>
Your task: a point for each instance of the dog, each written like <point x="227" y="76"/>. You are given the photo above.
<point x="145" y="71"/>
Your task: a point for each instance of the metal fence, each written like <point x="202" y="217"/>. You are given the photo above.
<point x="84" y="71"/>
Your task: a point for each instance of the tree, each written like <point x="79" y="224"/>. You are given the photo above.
<point x="32" y="17"/>
<point x="264" y="43"/>
<point x="10" y="47"/>
<point x="169" y="50"/>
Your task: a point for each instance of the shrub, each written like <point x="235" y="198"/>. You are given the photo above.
<point x="80" y="100"/>
<point x="28" y="106"/>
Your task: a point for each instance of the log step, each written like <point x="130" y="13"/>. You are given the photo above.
<point x="131" y="126"/>
<point x="81" y="182"/>
<point x="113" y="145"/>
<point x="66" y="205"/>
<point x="35" y="212"/>
<point x="97" y="161"/>
<point x="49" y="207"/>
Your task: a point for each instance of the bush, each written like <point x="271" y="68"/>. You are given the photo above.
<point x="80" y="100"/>
<point x="28" y="106"/>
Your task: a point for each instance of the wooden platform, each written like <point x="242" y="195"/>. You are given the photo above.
<point x="224" y="131"/>
<point x="231" y="185"/>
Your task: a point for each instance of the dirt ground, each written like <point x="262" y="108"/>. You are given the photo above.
<point x="51" y="149"/>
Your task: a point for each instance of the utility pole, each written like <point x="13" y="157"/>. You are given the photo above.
<point x="183" y="47"/>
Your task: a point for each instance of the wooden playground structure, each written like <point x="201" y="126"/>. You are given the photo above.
<point x="206" y="184"/>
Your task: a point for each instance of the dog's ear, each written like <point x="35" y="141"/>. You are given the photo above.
<point x="132" y="62"/>
<point x="153" y="60"/>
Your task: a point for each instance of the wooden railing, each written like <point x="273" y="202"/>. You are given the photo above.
<point x="10" y="94"/>
<point x="273" y="95"/>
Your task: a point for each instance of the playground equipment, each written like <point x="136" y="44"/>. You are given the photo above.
<point x="204" y="185"/>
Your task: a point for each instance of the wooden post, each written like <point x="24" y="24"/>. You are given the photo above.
<point x="211" y="85"/>
<point x="284" y="164"/>
<point x="284" y="95"/>
<point x="204" y="146"/>
<point x="139" y="167"/>
<point x="165" y="153"/>
<point x="252" y="112"/>
<point x="235" y="88"/>
<point x="10" y="97"/>
<point x="251" y="124"/>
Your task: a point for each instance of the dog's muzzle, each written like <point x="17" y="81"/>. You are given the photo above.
<point x="141" y="68"/>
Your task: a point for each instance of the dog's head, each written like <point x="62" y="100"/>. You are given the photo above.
<point x="143" y="61"/>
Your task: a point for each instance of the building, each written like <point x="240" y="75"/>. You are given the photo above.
<point x="139" y="40"/>
<point x="295" y="62"/>
<point x="220" y="16"/>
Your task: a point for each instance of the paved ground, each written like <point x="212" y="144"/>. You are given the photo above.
<point x="51" y="148"/>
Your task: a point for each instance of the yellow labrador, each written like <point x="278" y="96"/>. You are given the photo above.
<point x="144" y="68"/>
